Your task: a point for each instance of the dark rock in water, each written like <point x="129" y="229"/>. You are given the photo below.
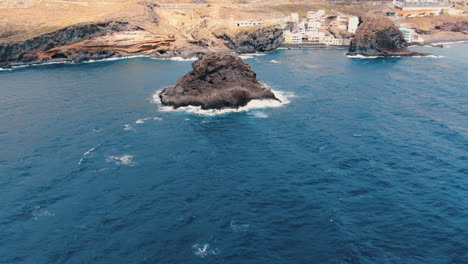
<point x="217" y="81"/>
<point x="378" y="36"/>
<point x="252" y="39"/>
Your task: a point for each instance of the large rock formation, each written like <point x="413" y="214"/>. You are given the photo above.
<point x="378" y="36"/>
<point x="25" y="51"/>
<point x="217" y="81"/>
<point x="86" y="42"/>
<point x="252" y="39"/>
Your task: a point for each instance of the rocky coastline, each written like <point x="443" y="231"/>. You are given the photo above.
<point x="120" y="39"/>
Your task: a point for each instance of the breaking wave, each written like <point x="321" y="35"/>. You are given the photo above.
<point x="183" y="59"/>
<point x="15" y="67"/>
<point x="38" y="212"/>
<point x="122" y="160"/>
<point x="86" y="154"/>
<point x="205" y="249"/>
<point x="254" y="104"/>
<point x="383" y="57"/>
<point x="251" y="55"/>
<point x="258" y="114"/>
<point x="128" y="127"/>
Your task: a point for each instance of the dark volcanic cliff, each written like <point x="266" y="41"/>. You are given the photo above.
<point x="25" y="51"/>
<point x="378" y="36"/>
<point x="217" y="81"/>
<point x="253" y="39"/>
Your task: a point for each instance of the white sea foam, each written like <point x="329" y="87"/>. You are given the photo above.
<point x="122" y="160"/>
<point x="259" y="114"/>
<point x="376" y="57"/>
<point x="254" y="104"/>
<point x="429" y="56"/>
<point x="128" y="127"/>
<point x="38" y="212"/>
<point x="251" y="55"/>
<point x="205" y="249"/>
<point x="238" y="227"/>
<point x="93" y="61"/>
<point x="157" y="118"/>
<point x="362" y="57"/>
<point x="116" y="58"/>
<point x="142" y="120"/>
<point x="274" y="61"/>
<point x="183" y="59"/>
<point x="86" y="154"/>
<point x="246" y="57"/>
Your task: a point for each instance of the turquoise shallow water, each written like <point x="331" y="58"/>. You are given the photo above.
<point x="366" y="164"/>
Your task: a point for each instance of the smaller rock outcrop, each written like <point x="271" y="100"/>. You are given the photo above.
<point x="379" y="36"/>
<point x="217" y="81"/>
<point x="252" y="39"/>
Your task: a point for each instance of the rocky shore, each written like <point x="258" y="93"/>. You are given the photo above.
<point x="86" y="30"/>
<point x="217" y="81"/>
<point x="114" y="39"/>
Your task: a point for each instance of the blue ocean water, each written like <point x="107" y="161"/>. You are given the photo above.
<point x="366" y="164"/>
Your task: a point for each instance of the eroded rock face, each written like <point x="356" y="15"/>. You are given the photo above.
<point x="252" y="39"/>
<point x="379" y="36"/>
<point x="25" y="51"/>
<point x="217" y="81"/>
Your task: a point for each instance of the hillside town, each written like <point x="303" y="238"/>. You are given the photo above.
<point x="332" y="28"/>
<point x="319" y="28"/>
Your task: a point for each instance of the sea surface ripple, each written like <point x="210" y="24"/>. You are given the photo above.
<point x="367" y="163"/>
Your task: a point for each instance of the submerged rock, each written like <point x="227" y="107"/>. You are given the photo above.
<point x="217" y="81"/>
<point x="379" y="36"/>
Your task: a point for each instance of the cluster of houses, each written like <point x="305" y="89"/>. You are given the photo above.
<point x="415" y="8"/>
<point x="314" y="28"/>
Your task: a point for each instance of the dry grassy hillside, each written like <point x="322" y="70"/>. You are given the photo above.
<point x="24" y="19"/>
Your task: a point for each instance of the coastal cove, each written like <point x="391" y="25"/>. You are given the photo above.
<point x="365" y="163"/>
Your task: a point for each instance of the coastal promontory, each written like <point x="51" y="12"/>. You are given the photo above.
<point x="217" y="81"/>
<point x="379" y="36"/>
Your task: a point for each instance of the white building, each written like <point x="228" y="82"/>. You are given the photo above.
<point x="328" y="40"/>
<point x="295" y="17"/>
<point x="337" y="42"/>
<point x="408" y="34"/>
<point x="296" y="38"/>
<point x="313" y="26"/>
<point x="315" y="36"/>
<point x="301" y="27"/>
<point x="353" y="23"/>
<point x="311" y="15"/>
<point x="425" y="4"/>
